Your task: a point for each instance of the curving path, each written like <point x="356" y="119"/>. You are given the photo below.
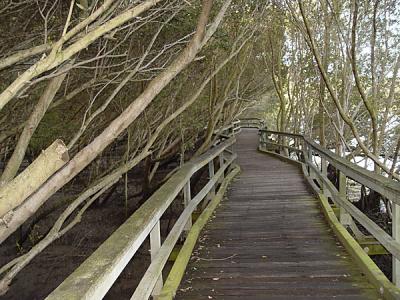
<point x="269" y="240"/>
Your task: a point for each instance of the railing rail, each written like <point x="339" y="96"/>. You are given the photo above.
<point x="95" y="276"/>
<point x="306" y="150"/>
<point x="227" y="131"/>
<point x="251" y="123"/>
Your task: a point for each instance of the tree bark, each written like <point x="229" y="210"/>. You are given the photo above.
<point x="15" y="192"/>
<point x="92" y="150"/>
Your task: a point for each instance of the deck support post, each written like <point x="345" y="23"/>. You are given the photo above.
<point x="187" y="197"/>
<point x="155" y="245"/>
<point x="345" y="218"/>
<point x="396" y="236"/>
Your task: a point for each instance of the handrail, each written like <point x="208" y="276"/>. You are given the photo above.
<point x="228" y="130"/>
<point x="251" y="123"/>
<point x="95" y="276"/>
<point x="384" y="238"/>
<point x="294" y="135"/>
<point x="381" y="184"/>
<point x="289" y="142"/>
<point x="155" y="269"/>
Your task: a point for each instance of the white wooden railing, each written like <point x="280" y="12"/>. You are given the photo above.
<point x="251" y="123"/>
<point x="95" y="276"/>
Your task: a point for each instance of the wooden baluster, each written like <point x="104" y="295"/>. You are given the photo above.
<point x="187" y="197"/>
<point x="396" y="237"/>
<point x="279" y="139"/>
<point x="285" y="143"/>
<point x="344" y="217"/>
<point x="324" y="171"/>
<point x="221" y="163"/>
<point x="309" y="151"/>
<point x="298" y="145"/>
<point x="155" y="245"/>
<point x="211" y="174"/>
<point x="264" y="140"/>
<point x="211" y="193"/>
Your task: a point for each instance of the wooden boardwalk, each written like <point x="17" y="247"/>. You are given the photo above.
<point x="269" y="240"/>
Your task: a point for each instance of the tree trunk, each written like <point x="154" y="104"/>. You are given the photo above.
<point x="30" y="126"/>
<point x="116" y="127"/>
<point x="15" y="192"/>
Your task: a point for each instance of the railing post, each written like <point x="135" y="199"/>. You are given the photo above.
<point x="155" y="245"/>
<point x="285" y="142"/>
<point x="309" y="154"/>
<point x="324" y="171"/>
<point x="396" y="237"/>
<point x="221" y="163"/>
<point x="303" y="149"/>
<point x="211" y="174"/>
<point x="211" y="193"/>
<point x="345" y="218"/>
<point x="263" y="139"/>
<point x="187" y="197"/>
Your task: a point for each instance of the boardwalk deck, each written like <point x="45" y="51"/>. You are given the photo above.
<point x="269" y="240"/>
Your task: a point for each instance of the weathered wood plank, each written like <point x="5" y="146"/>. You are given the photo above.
<point x="269" y="240"/>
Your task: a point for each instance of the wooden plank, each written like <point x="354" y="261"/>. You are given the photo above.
<point x="269" y="240"/>
<point x="396" y="237"/>
<point x="155" y="245"/>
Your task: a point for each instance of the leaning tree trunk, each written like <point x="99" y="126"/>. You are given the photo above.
<point x="92" y="150"/>
<point x="16" y="191"/>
